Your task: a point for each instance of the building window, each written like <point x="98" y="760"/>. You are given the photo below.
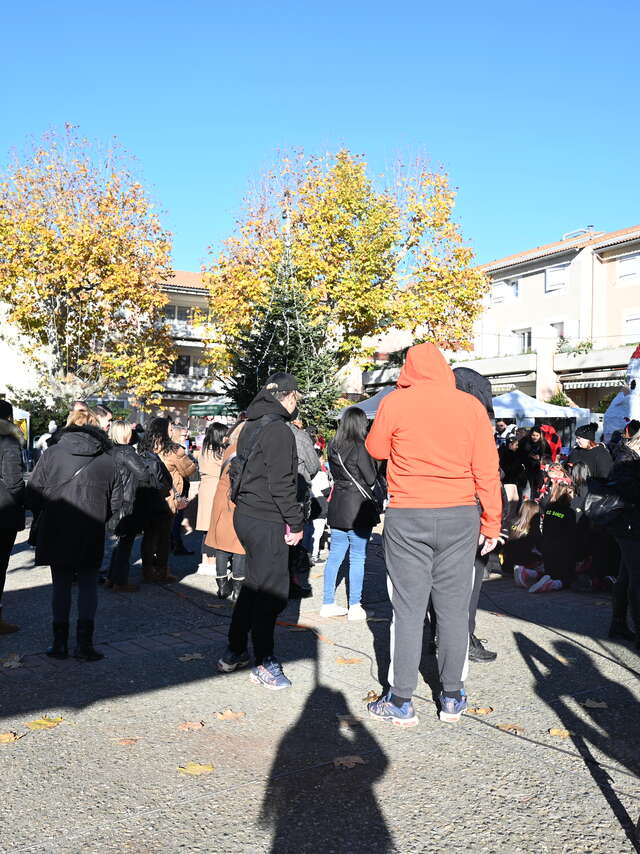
<point x="559" y="327"/>
<point x="183" y="313"/>
<point x="555" y="278"/>
<point x="503" y="291"/>
<point x="169" y="311"/>
<point x="523" y="340"/>
<point x="632" y="326"/>
<point x="181" y="366"/>
<point x="629" y="268"/>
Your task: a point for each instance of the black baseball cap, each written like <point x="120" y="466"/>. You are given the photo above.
<point x="282" y="382"/>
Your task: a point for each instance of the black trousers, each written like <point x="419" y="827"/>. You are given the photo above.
<point x="62" y="577"/>
<point x="626" y="590"/>
<point x="7" y="542"/>
<point x="479" y="566"/>
<point x="228" y="560"/>
<point x="266" y="586"/>
<point x="120" y="557"/>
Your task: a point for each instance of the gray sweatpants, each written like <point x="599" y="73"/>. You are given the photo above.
<point x="430" y="552"/>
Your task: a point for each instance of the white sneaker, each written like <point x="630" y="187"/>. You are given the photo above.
<point x="333" y="610"/>
<point x="545" y="585"/>
<point x="357" y="612"/>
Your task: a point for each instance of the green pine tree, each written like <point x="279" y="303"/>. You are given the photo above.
<point x="286" y="337"/>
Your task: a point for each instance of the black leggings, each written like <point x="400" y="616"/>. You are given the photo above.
<point x="256" y="611"/>
<point x="626" y="590"/>
<point x="7" y="541"/>
<point x="63" y="577"/>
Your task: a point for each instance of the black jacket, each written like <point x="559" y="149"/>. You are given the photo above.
<point x="598" y="460"/>
<point x="268" y="489"/>
<point x="348" y="509"/>
<point x="11" y="477"/>
<point x="529" y="450"/>
<point x="74" y="489"/>
<point x="131" y="473"/>
<point x="511" y="464"/>
<point x="153" y="489"/>
<point x="624" y="480"/>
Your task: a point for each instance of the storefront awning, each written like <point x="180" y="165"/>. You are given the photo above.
<point x="593" y="379"/>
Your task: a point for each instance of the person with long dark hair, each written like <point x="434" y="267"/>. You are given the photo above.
<point x="157" y="532"/>
<point x="352" y="514"/>
<point x="209" y="464"/>
<point x="74" y="489"/>
<point x="533" y="449"/>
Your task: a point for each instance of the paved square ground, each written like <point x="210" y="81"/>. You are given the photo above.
<point x="291" y="773"/>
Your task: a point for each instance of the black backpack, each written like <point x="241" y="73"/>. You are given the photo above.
<point x="238" y="463"/>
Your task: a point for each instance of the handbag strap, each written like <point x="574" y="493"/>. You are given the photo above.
<point x="73" y="477"/>
<point x="357" y="485"/>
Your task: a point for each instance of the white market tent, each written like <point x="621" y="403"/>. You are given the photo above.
<point x="371" y="404"/>
<point x="523" y="408"/>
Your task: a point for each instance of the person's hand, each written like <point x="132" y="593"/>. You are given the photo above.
<point x="293" y="539"/>
<point x="488" y="544"/>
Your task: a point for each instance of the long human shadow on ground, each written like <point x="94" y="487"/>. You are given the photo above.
<point x="319" y="796"/>
<point x="141" y="622"/>
<point x="612" y="729"/>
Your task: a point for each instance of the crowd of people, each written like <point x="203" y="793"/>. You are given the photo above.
<point x="271" y="493"/>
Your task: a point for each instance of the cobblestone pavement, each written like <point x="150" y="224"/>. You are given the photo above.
<point x="106" y="778"/>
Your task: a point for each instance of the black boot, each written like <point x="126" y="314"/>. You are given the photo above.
<point x="60" y="645"/>
<point x="84" y="649"/>
<point x="620" y="629"/>
<point x="478" y="653"/>
<point x="224" y="587"/>
<point x="237" y="587"/>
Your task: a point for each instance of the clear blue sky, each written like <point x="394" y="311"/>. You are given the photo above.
<point x="533" y="108"/>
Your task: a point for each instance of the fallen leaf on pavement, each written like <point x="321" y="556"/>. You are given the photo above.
<point x="299" y="628"/>
<point x="559" y="732"/>
<point x="349" y="720"/>
<point x="12" y="661"/>
<point x="324" y="639"/>
<point x="348" y="761"/>
<point x="378" y="619"/>
<point x="190" y="656"/>
<point x="195" y="768"/>
<point x="9" y="737"/>
<point x="317" y="575"/>
<point x="215" y="605"/>
<point x="44" y="722"/>
<point x="341" y="660"/>
<point x="127" y="742"/>
<point x="229" y="715"/>
<point x="564" y="660"/>
<point x="514" y="728"/>
<point x="187" y="725"/>
<point x="480" y="710"/>
<point x="595" y="704"/>
<point x="371" y="697"/>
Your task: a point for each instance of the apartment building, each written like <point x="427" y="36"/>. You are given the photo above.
<point x="190" y="380"/>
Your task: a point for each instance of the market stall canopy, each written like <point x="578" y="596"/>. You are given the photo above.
<point x="516" y="404"/>
<point x="371" y="404"/>
<point x="215" y="406"/>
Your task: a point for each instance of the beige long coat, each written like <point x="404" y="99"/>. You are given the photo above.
<point x="209" y="466"/>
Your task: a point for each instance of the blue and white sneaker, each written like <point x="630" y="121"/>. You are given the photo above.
<point x="451" y="709"/>
<point x="230" y="661"/>
<point x="383" y="709"/>
<point x="269" y="674"/>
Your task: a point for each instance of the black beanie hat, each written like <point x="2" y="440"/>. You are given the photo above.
<point x="281" y="382"/>
<point x="587" y="431"/>
<point x="6" y="410"/>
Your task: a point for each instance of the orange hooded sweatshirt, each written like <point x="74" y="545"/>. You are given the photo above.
<point x="438" y="440"/>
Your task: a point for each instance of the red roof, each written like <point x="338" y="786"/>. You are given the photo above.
<point x="186" y="280"/>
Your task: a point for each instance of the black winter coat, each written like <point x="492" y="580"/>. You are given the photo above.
<point x="153" y="489"/>
<point x="348" y="509"/>
<point x="11" y="477"/>
<point x="624" y="480"/>
<point x="529" y="450"/>
<point x="269" y="488"/>
<point x="74" y="489"/>
<point x="598" y="460"/>
<point x="511" y="464"/>
<point x="131" y="473"/>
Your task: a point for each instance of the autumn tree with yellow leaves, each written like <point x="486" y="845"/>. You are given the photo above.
<point x="82" y="259"/>
<point x="368" y="260"/>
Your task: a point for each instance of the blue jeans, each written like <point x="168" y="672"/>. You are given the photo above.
<point x="355" y="542"/>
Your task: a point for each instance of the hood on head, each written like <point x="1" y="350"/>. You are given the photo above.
<point x="85" y="441"/>
<point x="425" y="363"/>
<point x="264" y="403"/>
<point x="475" y="384"/>
<point x="8" y="428"/>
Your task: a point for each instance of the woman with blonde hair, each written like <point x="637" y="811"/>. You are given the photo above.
<point x="126" y="524"/>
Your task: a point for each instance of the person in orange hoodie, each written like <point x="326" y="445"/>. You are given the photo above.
<point x="444" y="498"/>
